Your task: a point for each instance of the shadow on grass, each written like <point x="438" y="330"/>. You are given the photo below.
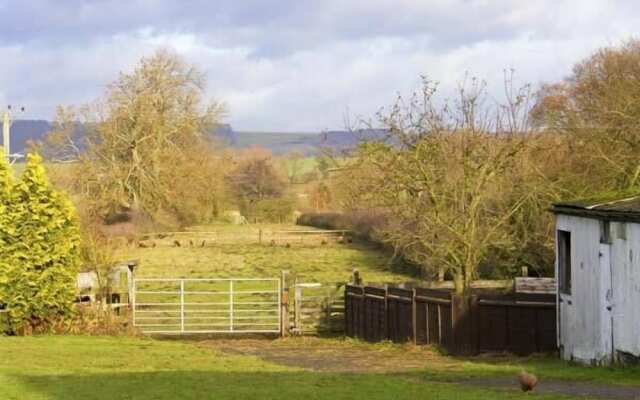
<point x="233" y="385"/>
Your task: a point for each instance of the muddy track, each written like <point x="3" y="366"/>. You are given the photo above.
<point x="360" y="359"/>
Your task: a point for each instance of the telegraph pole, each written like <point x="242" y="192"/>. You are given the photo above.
<point x="6" y="127"/>
<point x="6" y="131"/>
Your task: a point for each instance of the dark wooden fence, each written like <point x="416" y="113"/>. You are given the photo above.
<point x="519" y="323"/>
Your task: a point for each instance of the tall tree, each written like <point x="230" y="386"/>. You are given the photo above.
<point x="598" y="109"/>
<point x="143" y="135"/>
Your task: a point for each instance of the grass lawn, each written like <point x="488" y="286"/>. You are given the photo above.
<point x="247" y="258"/>
<point x="68" y="367"/>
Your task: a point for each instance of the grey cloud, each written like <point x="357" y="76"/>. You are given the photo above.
<point x="296" y="64"/>
<point x="272" y="28"/>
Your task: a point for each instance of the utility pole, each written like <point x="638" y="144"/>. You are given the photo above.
<point x="6" y="126"/>
<point x="6" y="131"/>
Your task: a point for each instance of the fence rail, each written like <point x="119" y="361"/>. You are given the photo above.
<point x="265" y="236"/>
<point x="183" y="306"/>
<point x="520" y="323"/>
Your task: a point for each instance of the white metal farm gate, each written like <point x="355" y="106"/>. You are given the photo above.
<point x="192" y="306"/>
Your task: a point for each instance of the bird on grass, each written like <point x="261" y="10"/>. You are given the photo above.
<point x="527" y="381"/>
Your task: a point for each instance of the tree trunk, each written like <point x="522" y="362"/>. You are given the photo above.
<point x="459" y="284"/>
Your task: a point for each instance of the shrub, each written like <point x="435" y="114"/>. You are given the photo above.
<point x="93" y="320"/>
<point x="40" y="240"/>
<point x="365" y="225"/>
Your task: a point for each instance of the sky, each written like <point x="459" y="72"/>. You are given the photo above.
<point x="298" y="65"/>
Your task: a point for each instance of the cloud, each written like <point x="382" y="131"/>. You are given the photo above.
<point x="298" y="65"/>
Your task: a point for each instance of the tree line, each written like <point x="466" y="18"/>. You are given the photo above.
<point x="462" y="187"/>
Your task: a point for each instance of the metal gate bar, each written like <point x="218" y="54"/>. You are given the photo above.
<point x="252" y="305"/>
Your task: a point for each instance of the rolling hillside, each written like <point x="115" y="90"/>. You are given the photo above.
<point x="25" y="131"/>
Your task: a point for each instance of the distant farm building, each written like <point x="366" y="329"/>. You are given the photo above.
<point x="598" y="272"/>
<point x="117" y="284"/>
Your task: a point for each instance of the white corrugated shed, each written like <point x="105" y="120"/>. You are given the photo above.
<point x="599" y="317"/>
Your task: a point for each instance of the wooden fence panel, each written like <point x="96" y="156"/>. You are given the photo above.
<point x="433" y="323"/>
<point x="430" y="304"/>
<point x="375" y="318"/>
<point x="519" y="323"/>
<point x="446" y="328"/>
<point x="353" y="308"/>
<point x="546" y="328"/>
<point x="400" y="314"/>
<point x="421" y="322"/>
<point x="492" y="320"/>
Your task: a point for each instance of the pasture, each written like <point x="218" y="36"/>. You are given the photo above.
<point x="235" y="251"/>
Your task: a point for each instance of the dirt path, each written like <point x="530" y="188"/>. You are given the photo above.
<point x="336" y="356"/>
<point x="559" y="387"/>
<point x="333" y="356"/>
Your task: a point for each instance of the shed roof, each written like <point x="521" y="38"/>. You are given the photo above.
<point x="619" y="207"/>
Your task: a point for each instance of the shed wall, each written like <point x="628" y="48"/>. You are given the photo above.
<point x="626" y="287"/>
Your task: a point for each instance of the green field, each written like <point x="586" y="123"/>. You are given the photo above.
<point x="69" y="368"/>
<point x="243" y="257"/>
<point x="279" y="142"/>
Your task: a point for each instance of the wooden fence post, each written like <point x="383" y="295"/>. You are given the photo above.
<point x="347" y="312"/>
<point x="386" y="312"/>
<point x="357" y="279"/>
<point x="414" y="317"/>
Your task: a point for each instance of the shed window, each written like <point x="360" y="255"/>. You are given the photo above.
<point x="564" y="261"/>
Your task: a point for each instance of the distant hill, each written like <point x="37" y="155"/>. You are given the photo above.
<point x="24" y="131"/>
<point x="309" y="143"/>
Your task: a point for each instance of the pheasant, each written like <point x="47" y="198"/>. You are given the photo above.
<point x="527" y="381"/>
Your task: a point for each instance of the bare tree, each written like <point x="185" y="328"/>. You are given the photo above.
<point x="293" y="164"/>
<point x="143" y="140"/>
<point x="444" y="176"/>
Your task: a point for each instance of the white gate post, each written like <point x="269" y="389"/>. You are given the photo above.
<point x="297" y="307"/>
<point x="182" y="305"/>
<point x="132" y="299"/>
<point x="283" y="303"/>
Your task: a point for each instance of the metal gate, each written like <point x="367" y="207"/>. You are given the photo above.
<point x="186" y="306"/>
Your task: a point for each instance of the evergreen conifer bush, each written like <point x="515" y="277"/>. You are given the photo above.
<point x="39" y="247"/>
